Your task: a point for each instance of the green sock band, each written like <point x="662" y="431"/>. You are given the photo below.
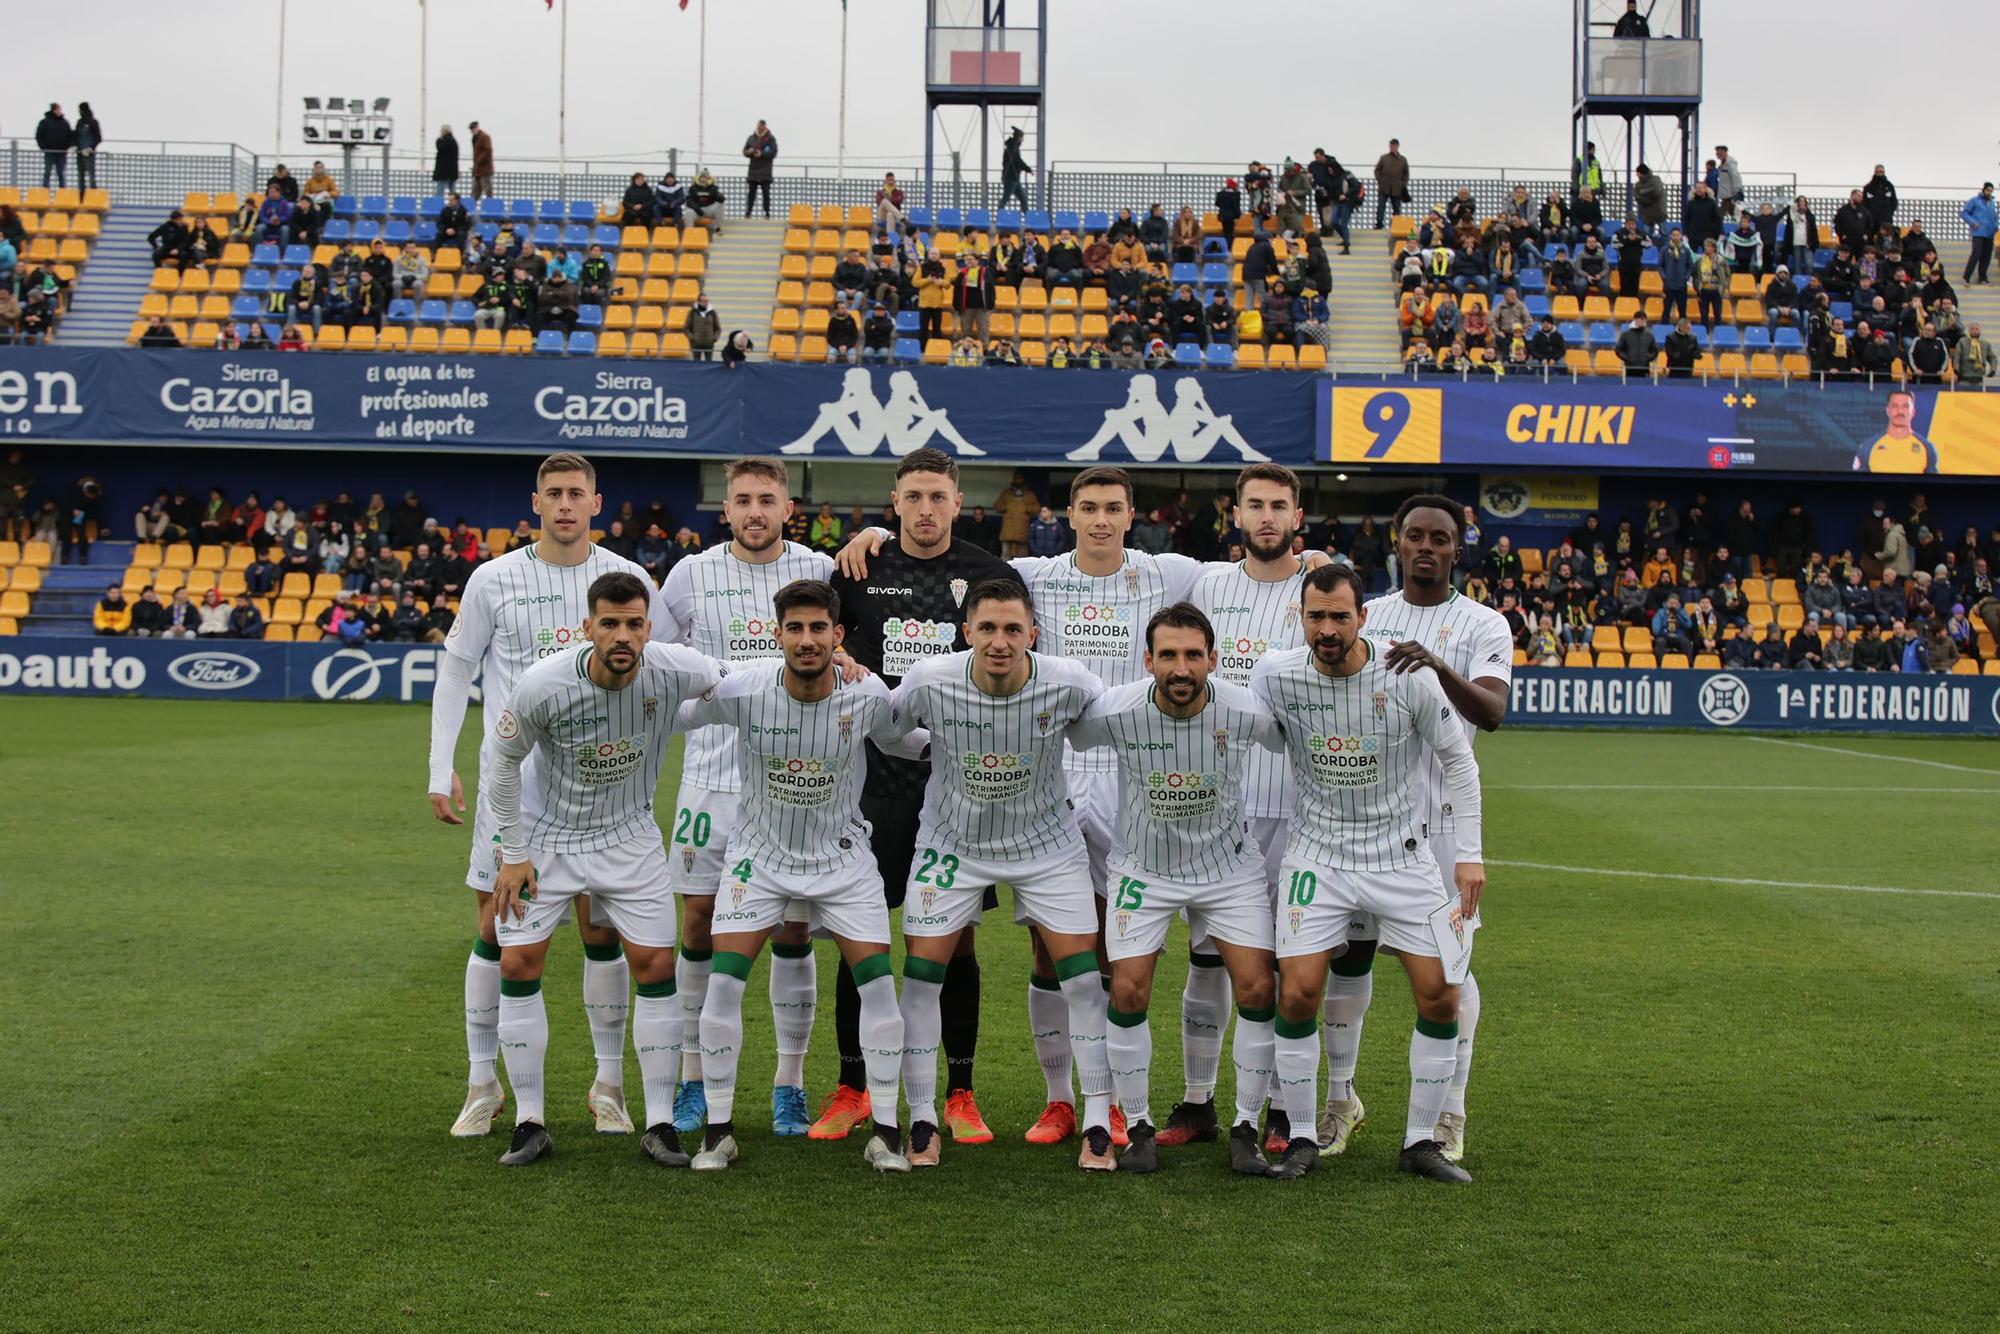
<point x="1430" y="1028"/>
<point x="656" y="990"/>
<point x="923" y="970"/>
<point x="602" y="953"/>
<point x="1124" y="1019"/>
<point x="1298" y="1028"/>
<point x="696" y="956"/>
<point x="1043" y="983"/>
<point x="1076" y="965"/>
<point x="1204" y="960"/>
<point x="783" y="951"/>
<point x="870" y="968"/>
<point x="485" y="949"/>
<point x="523" y="987"/>
<point x="1355" y="963"/>
<point x="1263" y="1016"/>
<point x="734" y="964"/>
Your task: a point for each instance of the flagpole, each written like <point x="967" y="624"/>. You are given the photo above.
<point x="701" y="94"/>
<point x="278" y="138"/>
<point x="840" y="169"/>
<point x="562" y="112"/>
<point x="423" y="74"/>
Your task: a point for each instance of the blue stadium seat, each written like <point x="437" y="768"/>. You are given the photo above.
<point x="1221" y="357"/>
<point x="549" y="343"/>
<point x="552" y="210"/>
<point x="257" y="280"/>
<point x="1701" y="336"/>
<point x="1188" y="355"/>
<point x="1214" y="248"/>
<point x="298" y="256"/>
<point x="919" y="217"/>
<point x="1009" y="219"/>
<point x="345" y="207"/>
<point x="583" y="343"/>
<point x="1603" y="334"/>
<point x="1788" y="339"/>
<point x="402" y="311"/>
<point x="1799" y="281"/>
<point x="1096" y="220"/>
<point x="1538" y="305"/>
<point x="265" y="255"/>
<point x="520" y="210"/>
<point x="576" y="236"/>
<point x="1035" y="220"/>
<point x="1821" y="258"/>
<point x="245" y="308"/>
<point x="907" y="322"/>
<point x="1572" y="333"/>
<point x="909" y="351"/>
<point x="950" y="219"/>
<point x="607" y="236"/>
<point x="374" y="206"/>
<point x="979" y="219"/>
<point x="1726" y="339"/>
<point x="403" y="206"/>
<point x="273" y="331"/>
<point x="1651" y="259"/>
<point x="336" y="231"/>
<point x="1215" y="275"/>
<point x="546" y="236"/>
<point x="398" y="232"/>
<point x="1842" y="310"/>
<point x="583" y="211"/>
<point x="590" y="317"/>
<point x="460" y="313"/>
<point x="431" y="207"/>
<point x="1066" y="220"/>
<point x="1184" y="273"/>
<point x="1531" y="280"/>
<point x="487" y="231"/>
<point x="1756" y="339"/>
<point x="282" y="279"/>
<point x="367" y="230"/>
<point x="432" y="311"/>
<point x="425" y="233"/>
<point x="491" y="210"/>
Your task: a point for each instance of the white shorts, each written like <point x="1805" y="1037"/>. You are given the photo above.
<point x="1236" y="911"/>
<point x="947" y="894"/>
<point x="628" y="891"/>
<point x="1318" y="906"/>
<point x="484" y="862"/>
<point x="1269" y="834"/>
<point x="844" y="901"/>
<point x="699" y="837"/>
<point x="1093" y="795"/>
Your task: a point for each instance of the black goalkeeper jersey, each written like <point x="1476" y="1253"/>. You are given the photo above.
<point x="905" y="611"/>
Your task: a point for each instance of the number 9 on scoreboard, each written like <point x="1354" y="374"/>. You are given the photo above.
<point x="1386" y="425"/>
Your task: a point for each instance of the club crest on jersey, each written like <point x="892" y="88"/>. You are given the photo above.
<point x="1042" y="721"/>
<point x="1381" y="706"/>
<point x="1291" y="612"/>
<point x="846" y="726"/>
<point x="1124" y="921"/>
<point x="1444" y="635"/>
<point x="929" y="897"/>
<point x="1132" y="580"/>
<point x="687" y="859"/>
<point x="1298" y="916"/>
<point x="958" y="587"/>
<point x="736" y="893"/>
<point x="652" y="708"/>
<point x="1221" y="742"/>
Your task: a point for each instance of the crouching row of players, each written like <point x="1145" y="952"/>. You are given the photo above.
<point x="993" y="721"/>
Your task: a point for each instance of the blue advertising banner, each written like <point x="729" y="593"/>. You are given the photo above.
<point x="219" y="669"/>
<point x="1756" y="701"/>
<point x="1603" y="426"/>
<point x="298" y="400"/>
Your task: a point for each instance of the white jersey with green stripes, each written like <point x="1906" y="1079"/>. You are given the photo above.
<point x="1180" y="780"/>
<point x="1253" y="617"/>
<point x="996" y="790"/>
<point x="803" y="763"/>
<point x="600" y="750"/>
<point x="721" y="605"/>
<point x="1358" y="750"/>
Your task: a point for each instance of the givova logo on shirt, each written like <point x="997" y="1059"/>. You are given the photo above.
<point x="1181" y="796"/>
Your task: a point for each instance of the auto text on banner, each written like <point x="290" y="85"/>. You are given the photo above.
<point x="219" y="669"/>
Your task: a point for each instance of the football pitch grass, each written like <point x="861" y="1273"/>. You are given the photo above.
<point x="1749" y="1080"/>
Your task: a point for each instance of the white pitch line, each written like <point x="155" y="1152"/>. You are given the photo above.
<point x="1712" y="787"/>
<point x="1873" y="755"/>
<point x="1736" y="880"/>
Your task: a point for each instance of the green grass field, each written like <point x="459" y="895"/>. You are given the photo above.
<point x="230" y="997"/>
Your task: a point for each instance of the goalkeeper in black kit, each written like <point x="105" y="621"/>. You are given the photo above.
<point x="908" y="608"/>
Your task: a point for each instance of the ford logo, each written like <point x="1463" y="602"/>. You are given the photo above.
<point x="214" y="671"/>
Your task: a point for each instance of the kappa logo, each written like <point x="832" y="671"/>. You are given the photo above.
<point x="1148" y="429"/>
<point x="1724" y="699"/>
<point x="862" y="425"/>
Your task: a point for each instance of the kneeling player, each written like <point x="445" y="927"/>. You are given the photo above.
<point x="1181" y="739"/>
<point x="599" y="717"/>
<point x="800" y="839"/>
<point x="1355" y="733"/>
<point x="996" y="809"/>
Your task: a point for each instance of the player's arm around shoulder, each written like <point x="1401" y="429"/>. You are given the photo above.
<point x="1262" y="722"/>
<point x="1096" y="727"/>
<point x="1080" y="679"/>
<point x="1180" y="573"/>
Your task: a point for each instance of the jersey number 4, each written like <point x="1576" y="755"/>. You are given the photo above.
<point x="945" y="866"/>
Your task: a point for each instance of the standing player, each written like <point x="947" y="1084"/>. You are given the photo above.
<point x="518" y="609"/>
<point x="1355" y="731"/>
<point x="907" y="609"/>
<point x="996" y="810"/>
<point x="598" y="718"/>
<point x="1253" y="605"/>
<point x="719" y="603"/>
<point x="800" y="840"/>
<point x="1182" y="739"/>
<point x="1426" y="624"/>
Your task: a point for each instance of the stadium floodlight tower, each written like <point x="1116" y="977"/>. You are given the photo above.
<point x="348" y="123"/>
<point x="986" y="55"/>
<point x="1651" y="80"/>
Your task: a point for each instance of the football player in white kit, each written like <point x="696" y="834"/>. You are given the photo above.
<point x="719" y="603"/>
<point x="1427" y="623"/>
<point x="598" y="717"/>
<point x="516" y="610"/>
<point x="1182" y="739"/>
<point x="1356" y="734"/>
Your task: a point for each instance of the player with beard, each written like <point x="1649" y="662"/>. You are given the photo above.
<point x="1427" y="623"/>
<point x="907" y="608"/>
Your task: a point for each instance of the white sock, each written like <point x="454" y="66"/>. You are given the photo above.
<point x="1084" y="994"/>
<point x="656" y="1035"/>
<point x="607" y="998"/>
<point x="1130" y="1048"/>
<point x="1048" y="1019"/>
<point x="923" y="1031"/>
<point x="1255" y="1055"/>
<point x="1468" y="1020"/>
<point x="721" y="1044"/>
<point x="882" y="1043"/>
<point x="794" y="998"/>
<point x="524" y="1038"/>
<point x="1340" y="1029"/>
<point x="1431" y="1061"/>
<point x="1298" y="1079"/>
<point x="482" y="1018"/>
<point x="1204" y="1011"/>
<point x="691" y="976"/>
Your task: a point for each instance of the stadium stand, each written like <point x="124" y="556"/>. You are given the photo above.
<point x="46" y="238"/>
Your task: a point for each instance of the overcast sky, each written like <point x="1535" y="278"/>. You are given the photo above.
<point x="1822" y="90"/>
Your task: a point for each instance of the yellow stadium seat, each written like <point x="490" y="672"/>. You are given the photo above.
<point x="1742" y="285"/>
<point x="153" y="303"/>
<point x="784" y="320"/>
<point x="210" y="557"/>
<point x="287" y="611"/>
<point x="612" y="345"/>
<point x="1791" y="616"/>
<point x="307" y="634"/>
<point x="1763" y="366"/>
<point x="455" y="343"/>
<point x="296" y="585"/>
<point x="326" y="586"/>
<point x="1577" y="657"/>
<point x="692" y="266"/>
<point x="1965" y="667"/>
<point x="800" y="216"/>
<point x="1797" y="365"/>
<point x="13" y="605"/>
<point x="486" y="340"/>
<point x="862" y="216"/>
<point x="394" y="338"/>
<point x="666" y="238"/>
<point x="1784" y="590"/>
<point x="166" y="581"/>
<point x="10" y="554"/>
<point x="184" y="308"/>
<point x="1034" y="298"/>
<point x="937" y="352"/>
<point x="1707" y="662"/>
<point x="199" y="582"/>
<point x="145" y="553"/>
<point x="226" y="282"/>
<point x="241" y="554"/>
<point x="214" y="309"/>
<point x="1623" y="309"/>
<point x="197" y="202"/>
<point x="274" y="632"/>
<point x="1641" y="661"/>
<point x="73" y="251"/>
<point x="791" y="293"/>
<point x="361" y="338"/>
<point x="427" y="340"/>
<point x="1747" y="313"/>
<point x="9" y="626"/>
<point x="1673" y="661"/>
<point x="1731" y="365"/>
<point x="784" y="346"/>
<point x="1577" y="360"/>
<point x="1312" y="357"/>
<point x="194" y="280"/>
<point x="798" y="241"/>
<point x="1613" y="659"/>
<point x="825" y="243"/>
<point x="1604" y="639"/>
<point x="331" y="338"/>
<point x="516" y="342"/>
<point x="1281" y="357"/>
<point x="1605" y="362"/>
<point x="644" y="345"/>
<point x="1250" y="357"/>
<point x="1991" y="667"/>
<point x="830" y="215"/>
<point x="650" y="319"/>
<point x="25" y="579"/>
<point x="660" y="264"/>
<point x="618" y="319"/>
<point x="812" y="349"/>
<point x="686" y="291"/>
<point x="96" y="201"/>
<point x="694" y="238"/>
<point x="179" y="556"/>
<point x="1597" y="308"/>
<point x="1035" y="354"/>
<point x="166" y="280"/>
<point x="1565" y="307"/>
<point x="821" y="269"/>
<point x="820" y="295"/>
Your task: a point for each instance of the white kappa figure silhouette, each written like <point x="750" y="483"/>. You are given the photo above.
<point x="1148" y="430"/>
<point x="904" y="422"/>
